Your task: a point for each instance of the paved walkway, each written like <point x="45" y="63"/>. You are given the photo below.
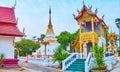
<point x="116" y="68"/>
<point x="37" y="68"/>
<point x="30" y="67"/>
<point x="12" y="69"/>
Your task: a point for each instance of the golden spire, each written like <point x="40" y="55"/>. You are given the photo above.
<point x="50" y="36"/>
<point x="50" y="27"/>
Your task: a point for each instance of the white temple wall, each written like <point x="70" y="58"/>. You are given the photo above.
<point x="50" y="49"/>
<point x="101" y="42"/>
<point x="6" y="46"/>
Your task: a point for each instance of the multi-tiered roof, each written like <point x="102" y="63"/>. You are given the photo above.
<point x="89" y="11"/>
<point x="8" y="22"/>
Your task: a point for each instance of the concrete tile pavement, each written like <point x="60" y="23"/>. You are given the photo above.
<point x="116" y="68"/>
<point x="11" y="69"/>
<point x="30" y="67"/>
<point x="37" y="68"/>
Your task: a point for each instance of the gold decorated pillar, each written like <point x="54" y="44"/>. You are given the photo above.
<point x="92" y="22"/>
<point x="93" y="41"/>
<point x="80" y="38"/>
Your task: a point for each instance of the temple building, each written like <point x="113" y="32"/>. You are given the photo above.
<point x="112" y="47"/>
<point x="92" y="30"/>
<point x="50" y="43"/>
<point x="8" y="31"/>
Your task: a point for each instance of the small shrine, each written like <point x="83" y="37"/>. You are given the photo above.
<point x="112" y="47"/>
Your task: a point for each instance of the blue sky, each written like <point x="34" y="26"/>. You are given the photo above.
<point x="33" y="14"/>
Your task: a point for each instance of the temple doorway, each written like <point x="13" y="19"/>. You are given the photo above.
<point x="89" y="46"/>
<point x="86" y="48"/>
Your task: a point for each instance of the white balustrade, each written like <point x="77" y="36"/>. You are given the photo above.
<point x="109" y="60"/>
<point x="88" y="62"/>
<point x="68" y="61"/>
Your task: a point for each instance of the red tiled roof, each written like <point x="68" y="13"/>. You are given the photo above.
<point x="7" y="15"/>
<point x="8" y="24"/>
<point x="9" y="30"/>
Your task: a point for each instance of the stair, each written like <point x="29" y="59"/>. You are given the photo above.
<point x="77" y="66"/>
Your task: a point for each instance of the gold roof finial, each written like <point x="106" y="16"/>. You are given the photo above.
<point x="78" y="11"/>
<point x="74" y="15"/>
<point x="23" y="29"/>
<point x="15" y="4"/>
<point x="83" y="3"/>
<point x="96" y="11"/>
<point x="90" y="7"/>
<point x="103" y="17"/>
<point x="17" y="21"/>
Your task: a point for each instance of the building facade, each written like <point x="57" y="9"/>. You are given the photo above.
<point x="92" y="31"/>
<point x="8" y="31"/>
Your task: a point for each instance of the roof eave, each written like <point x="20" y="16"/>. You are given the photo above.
<point x="16" y="35"/>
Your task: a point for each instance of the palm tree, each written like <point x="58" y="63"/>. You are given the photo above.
<point x="45" y="44"/>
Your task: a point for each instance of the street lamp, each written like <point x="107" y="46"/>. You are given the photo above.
<point x="117" y="21"/>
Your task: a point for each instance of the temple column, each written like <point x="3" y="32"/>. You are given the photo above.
<point x="80" y="42"/>
<point x="85" y="49"/>
<point x="93" y="41"/>
<point x="92" y="22"/>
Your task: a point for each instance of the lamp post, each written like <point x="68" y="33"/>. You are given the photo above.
<point x="117" y="21"/>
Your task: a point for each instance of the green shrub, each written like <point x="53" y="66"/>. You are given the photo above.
<point x="59" y="55"/>
<point x="2" y="57"/>
<point x="99" y="55"/>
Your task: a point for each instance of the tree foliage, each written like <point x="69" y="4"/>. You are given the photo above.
<point x="63" y="38"/>
<point x="27" y="46"/>
<point x="66" y="38"/>
<point x="60" y="54"/>
<point x="42" y="36"/>
<point x="99" y="57"/>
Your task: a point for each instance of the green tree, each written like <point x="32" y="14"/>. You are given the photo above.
<point x="42" y="36"/>
<point x="26" y="46"/>
<point x="63" y="38"/>
<point x="60" y="54"/>
<point x="66" y="38"/>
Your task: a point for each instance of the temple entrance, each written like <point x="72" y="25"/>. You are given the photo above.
<point x="89" y="46"/>
<point x="86" y="49"/>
